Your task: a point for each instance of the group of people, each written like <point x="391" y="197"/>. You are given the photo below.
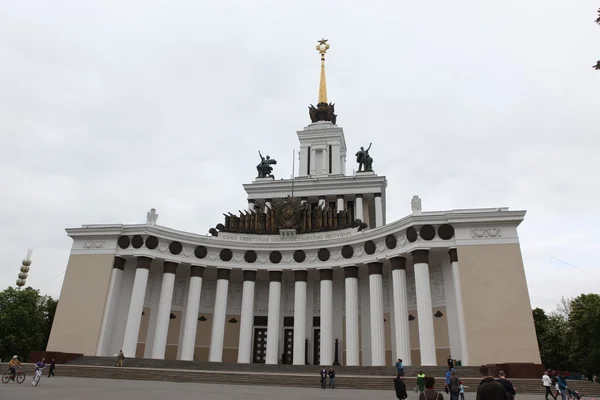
<point x="14" y="363"/>
<point x="327" y="373"/>
<point x="489" y="388"/>
<point x="557" y="382"/>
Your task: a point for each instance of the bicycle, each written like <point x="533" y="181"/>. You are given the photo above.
<point x="37" y="376"/>
<point x="19" y="377"/>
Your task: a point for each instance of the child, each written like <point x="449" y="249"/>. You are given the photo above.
<point x="462" y="391"/>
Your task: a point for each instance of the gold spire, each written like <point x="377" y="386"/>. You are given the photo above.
<point x="322" y="48"/>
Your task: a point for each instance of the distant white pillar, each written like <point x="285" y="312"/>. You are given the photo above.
<point x="322" y="202"/>
<point x="188" y="343"/>
<point x="247" y="318"/>
<point x="251" y="203"/>
<point x="352" y="333"/>
<point x="299" y="316"/>
<point x="110" y="308"/>
<point x="164" y="310"/>
<point x="424" y="307"/>
<point x="358" y="207"/>
<point x="274" y="314"/>
<point x="376" y="306"/>
<point x="340" y="203"/>
<point x="220" y="312"/>
<point x="400" y="299"/>
<point x="459" y="307"/>
<point x="136" y="305"/>
<point x="326" y="316"/>
<point x="268" y="204"/>
<point x="378" y="210"/>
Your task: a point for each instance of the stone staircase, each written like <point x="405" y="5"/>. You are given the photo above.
<point x="377" y="378"/>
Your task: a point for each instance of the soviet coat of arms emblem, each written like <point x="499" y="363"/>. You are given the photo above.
<point x="287" y="212"/>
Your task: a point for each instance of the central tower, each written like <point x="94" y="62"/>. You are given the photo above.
<point x="322" y="143"/>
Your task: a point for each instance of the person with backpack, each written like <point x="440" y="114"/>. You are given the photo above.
<point x="489" y="388"/>
<point x="430" y="393"/>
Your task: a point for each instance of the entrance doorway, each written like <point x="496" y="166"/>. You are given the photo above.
<point x="317" y="346"/>
<point x="260" y="346"/>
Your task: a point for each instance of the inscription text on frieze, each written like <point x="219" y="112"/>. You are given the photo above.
<point x="283" y="239"/>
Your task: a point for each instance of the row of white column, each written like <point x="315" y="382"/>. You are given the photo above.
<point x="375" y="269"/>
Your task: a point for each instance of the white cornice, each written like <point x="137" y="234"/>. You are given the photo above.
<point x="338" y="184"/>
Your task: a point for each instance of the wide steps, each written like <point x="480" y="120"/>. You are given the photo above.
<point x="281" y="378"/>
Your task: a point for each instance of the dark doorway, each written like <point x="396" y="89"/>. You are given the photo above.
<point x="317" y="347"/>
<point x="260" y="346"/>
<point x="288" y="347"/>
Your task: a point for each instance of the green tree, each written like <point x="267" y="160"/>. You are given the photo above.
<point x="552" y="334"/>
<point x="25" y="321"/>
<point x="584" y="324"/>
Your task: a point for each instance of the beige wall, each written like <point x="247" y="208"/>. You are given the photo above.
<point x="498" y="319"/>
<point x="76" y="326"/>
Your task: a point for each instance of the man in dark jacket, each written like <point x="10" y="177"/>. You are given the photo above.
<point x="400" y="387"/>
<point x="489" y="388"/>
<point x="508" y="386"/>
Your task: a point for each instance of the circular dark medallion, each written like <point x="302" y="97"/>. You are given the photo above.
<point x="411" y="234"/>
<point x="124" y="242"/>
<point x="323" y="254"/>
<point x="151" y="242"/>
<point x="275" y="257"/>
<point x="347" y="251"/>
<point x="370" y="247"/>
<point x="446" y="232"/>
<point x="137" y="241"/>
<point x="200" y="252"/>
<point x="390" y="241"/>
<point x="427" y="232"/>
<point x="225" y="255"/>
<point x="175" y="248"/>
<point x="250" y="256"/>
<point x="299" y="256"/>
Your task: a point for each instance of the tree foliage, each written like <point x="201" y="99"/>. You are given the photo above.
<point x="569" y="338"/>
<point x="25" y="321"/>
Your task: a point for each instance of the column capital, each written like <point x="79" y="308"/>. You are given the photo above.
<point x="251" y="201"/>
<point x="321" y="197"/>
<point x="377" y="195"/>
<point x="268" y="200"/>
<point x="275" y="276"/>
<point x="340" y="196"/>
<point x="375" y="268"/>
<point x="351" y="272"/>
<point x="358" y="196"/>
<point x="300" y="276"/>
<point x="398" y="263"/>
<point x="143" y="262"/>
<point x="326" y="274"/>
<point x="249" y="275"/>
<point x="303" y="198"/>
<point x="119" y="263"/>
<point x="223" y="273"/>
<point x="420" y="256"/>
<point x="196" y="270"/>
<point x="453" y="255"/>
<point x="169" y="267"/>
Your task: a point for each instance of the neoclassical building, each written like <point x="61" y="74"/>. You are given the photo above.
<point x="310" y="272"/>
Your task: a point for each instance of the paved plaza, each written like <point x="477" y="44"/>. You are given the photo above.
<point x="96" y="389"/>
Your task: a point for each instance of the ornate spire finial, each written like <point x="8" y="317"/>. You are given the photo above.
<point x="323" y="111"/>
<point x="322" y="48"/>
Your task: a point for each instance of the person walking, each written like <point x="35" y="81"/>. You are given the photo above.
<point x="120" y="358"/>
<point x="331" y="378"/>
<point x="508" y="386"/>
<point x="399" y="367"/>
<point x="562" y="385"/>
<point x="430" y="393"/>
<point x="324" y="378"/>
<point x="447" y="383"/>
<point x="488" y="388"/>
<point x="52" y="368"/>
<point x="400" y="387"/>
<point x="421" y="381"/>
<point x="462" y="391"/>
<point x="547" y="382"/>
<point x="454" y="386"/>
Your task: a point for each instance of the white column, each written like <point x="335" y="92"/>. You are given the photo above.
<point x="136" y="305"/>
<point x="378" y="210"/>
<point x="376" y="305"/>
<point x="274" y="313"/>
<point x="352" y="333"/>
<point x="247" y="318"/>
<point x="250" y="205"/>
<point x="358" y="207"/>
<point x="154" y="283"/>
<point x="335" y="159"/>
<point x="313" y="163"/>
<point x="164" y="310"/>
<point x="110" y="308"/>
<point x="326" y="316"/>
<point x="340" y="203"/>
<point x="365" y="317"/>
<point x="400" y="299"/>
<point x="299" y="316"/>
<point x="322" y="201"/>
<point x="424" y="307"/>
<point x="220" y="312"/>
<point x="188" y="343"/>
<point x="459" y="307"/>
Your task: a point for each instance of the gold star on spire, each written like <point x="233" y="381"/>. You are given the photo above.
<point x="322" y="48"/>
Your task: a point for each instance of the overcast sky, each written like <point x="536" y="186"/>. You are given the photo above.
<point x="109" y="108"/>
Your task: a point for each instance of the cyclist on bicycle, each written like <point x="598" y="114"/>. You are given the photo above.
<point x="40" y="364"/>
<point x="12" y="366"/>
